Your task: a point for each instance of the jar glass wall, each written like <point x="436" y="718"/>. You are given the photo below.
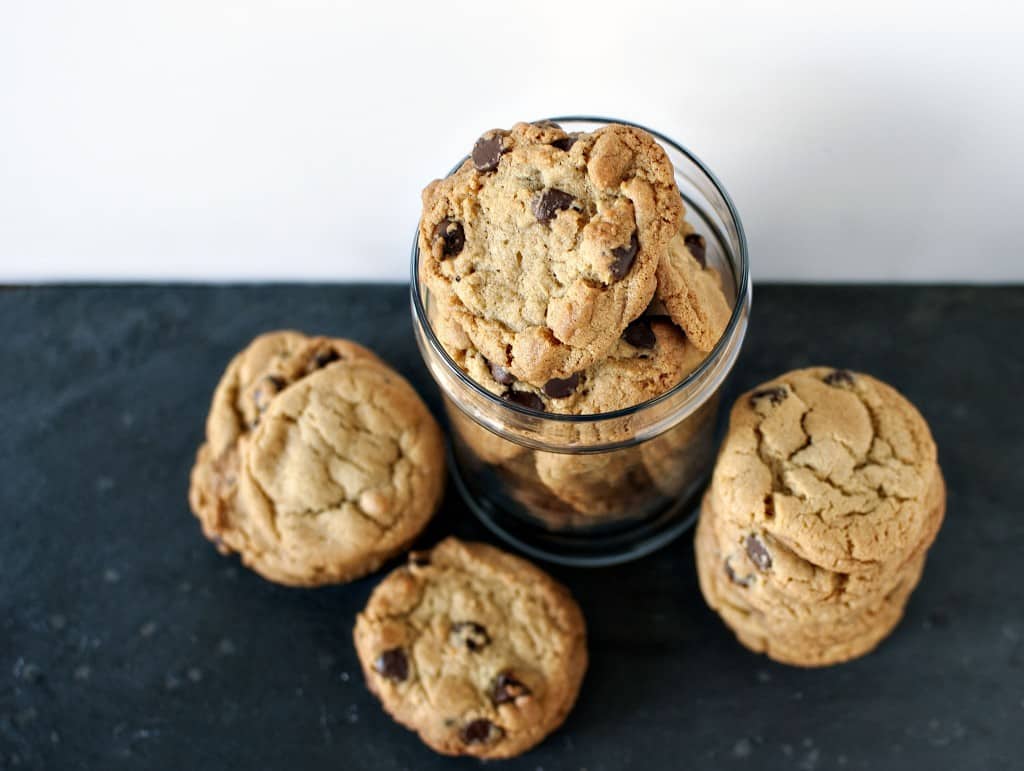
<point x="597" y="489"/>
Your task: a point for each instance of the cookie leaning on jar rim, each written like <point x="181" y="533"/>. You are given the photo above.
<point x="544" y="247"/>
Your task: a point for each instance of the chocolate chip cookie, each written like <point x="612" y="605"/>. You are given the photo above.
<point x="255" y="376"/>
<point x="808" y="641"/>
<point x="836" y="465"/>
<point x="825" y="499"/>
<point x="476" y="650"/>
<point x="691" y="291"/>
<point x="321" y="462"/>
<point x="650" y="357"/>
<point x="544" y="245"/>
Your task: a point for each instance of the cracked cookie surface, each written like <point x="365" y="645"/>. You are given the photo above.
<point x="344" y="470"/>
<point x="544" y="245"/>
<point x="478" y="651"/>
<point x="834" y="465"/>
<point x="825" y="499"/>
<point x="237" y="514"/>
<point x="253" y="378"/>
<point x="783" y="586"/>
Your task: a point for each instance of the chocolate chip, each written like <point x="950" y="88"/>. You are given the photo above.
<point x="419" y="558"/>
<point x="524" y="399"/>
<point x="745" y="581"/>
<point x="507" y="689"/>
<point x="470" y="634"/>
<point x="322" y="359"/>
<point x="559" y="388"/>
<point x="839" y="377"/>
<point x="776" y="395"/>
<point x="639" y="334"/>
<point x="479" y="731"/>
<point x="623" y="257"/>
<point x="452" y="234"/>
<point x="550" y="201"/>
<point x="698" y="247"/>
<point x="269" y="387"/>
<point x="393" y="665"/>
<point x="501" y="374"/>
<point x="565" y="143"/>
<point x="487" y="152"/>
<point x="757" y="552"/>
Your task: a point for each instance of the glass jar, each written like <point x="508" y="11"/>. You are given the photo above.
<point x="606" y="488"/>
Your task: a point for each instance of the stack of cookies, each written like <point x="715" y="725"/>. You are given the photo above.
<point x="824" y="501"/>
<point x="565" y="279"/>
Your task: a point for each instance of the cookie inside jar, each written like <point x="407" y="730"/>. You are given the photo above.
<point x="579" y="304"/>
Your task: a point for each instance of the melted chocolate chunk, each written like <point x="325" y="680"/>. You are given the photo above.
<point x="470" y="634"/>
<point x="565" y="143"/>
<point x="269" y="387"/>
<point x="524" y="399"/>
<point x="393" y="665"/>
<point x="745" y="581"/>
<point x="487" y="152"/>
<point x="758" y="552"/>
<point x="322" y="359"/>
<point x="776" y="395"/>
<point x="507" y="689"/>
<point x="639" y="334"/>
<point x="558" y="388"/>
<point x="549" y="202"/>
<point x="623" y="257"/>
<point x="480" y="731"/>
<point x="500" y="374"/>
<point x="698" y="248"/>
<point x="454" y="237"/>
<point x="419" y="558"/>
<point x="839" y="377"/>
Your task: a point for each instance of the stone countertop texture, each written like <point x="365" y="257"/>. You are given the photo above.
<point x="127" y="642"/>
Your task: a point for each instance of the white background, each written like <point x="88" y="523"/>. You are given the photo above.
<point x="206" y="139"/>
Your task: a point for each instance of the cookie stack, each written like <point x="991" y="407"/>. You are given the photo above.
<point x="320" y="461"/>
<point x="565" y="279"/>
<point x="824" y="501"/>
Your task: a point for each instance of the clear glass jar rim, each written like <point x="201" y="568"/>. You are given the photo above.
<point x="743" y="296"/>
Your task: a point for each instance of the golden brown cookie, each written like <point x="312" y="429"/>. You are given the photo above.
<point x="790" y="590"/>
<point x="833" y="464"/>
<point x="255" y="376"/>
<point x="476" y="650"/>
<point x="338" y="471"/>
<point x="651" y="357"/>
<point x="600" y="484"/>
<point x="683" y="454"/>
<point x="800" y="642"/>
<point x="544" y="246"/>
<point x="691" y="291"/>
<point x="824" y="502"/>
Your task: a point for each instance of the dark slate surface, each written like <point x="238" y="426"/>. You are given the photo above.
<point x="127" y="642"/>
